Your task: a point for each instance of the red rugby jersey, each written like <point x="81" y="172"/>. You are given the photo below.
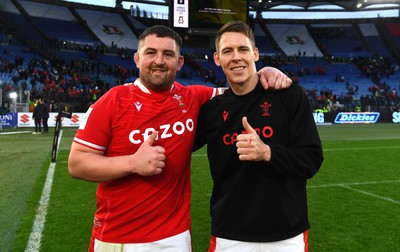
<point x="137" y="209"/>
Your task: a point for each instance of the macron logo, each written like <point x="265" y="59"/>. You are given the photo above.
<point x="138" y="106"/>
<point x="225" y="115"/>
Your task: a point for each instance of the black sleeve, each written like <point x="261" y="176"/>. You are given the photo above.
<point x="303" y="155"/>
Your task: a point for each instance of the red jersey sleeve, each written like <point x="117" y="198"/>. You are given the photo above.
<point x="204" y="93"/>
<point x="95" y="130"/>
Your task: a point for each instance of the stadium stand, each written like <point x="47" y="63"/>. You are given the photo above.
<point x="20" y="25"/>
<point x="374" y="41"/>
<point x="264" y="41"/>
<point x="339" y="40"/>
<point x="110" y="28"/>
<point x="75" y="53"/>
<point x="294" y="40"/>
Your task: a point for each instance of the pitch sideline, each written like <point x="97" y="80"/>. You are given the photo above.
<point x="15" y="132"/>
<point x="41" y="212"/>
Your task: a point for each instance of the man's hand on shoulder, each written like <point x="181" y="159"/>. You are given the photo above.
<point x="272" y="78"/>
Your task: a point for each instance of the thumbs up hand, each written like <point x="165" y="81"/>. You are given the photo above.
<point x="148" y="160"/>
<point x="249" y="145"/>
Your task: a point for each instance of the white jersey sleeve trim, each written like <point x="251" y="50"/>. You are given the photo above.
<point x="94" y="146"/>
<point x="218" y="91"/>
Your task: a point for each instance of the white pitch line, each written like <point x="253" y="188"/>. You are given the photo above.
<point x="364" y="148"/>
<point x="14" y="132"/>
<point x="356" y="183"/>
<point x="199" y="155"/>
<point x="349" y="186"/>
<point x="38" y="225"/>
<point x="372" y="194"/>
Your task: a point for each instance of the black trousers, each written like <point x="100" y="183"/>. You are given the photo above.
<point x="38" y="125"/>
<point x="45" y="125"/>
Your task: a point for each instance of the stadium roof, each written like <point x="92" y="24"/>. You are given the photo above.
<point x="287" y="5"/>
<point x="344" y="5"/>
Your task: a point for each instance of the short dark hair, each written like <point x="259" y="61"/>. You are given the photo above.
<point x="235" y="26"/>
<point x="162" y="31"/>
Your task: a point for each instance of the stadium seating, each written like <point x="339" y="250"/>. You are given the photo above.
<point x="93" y="47"/>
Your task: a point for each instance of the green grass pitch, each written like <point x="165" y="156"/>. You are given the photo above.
<point x="354" y="200"/>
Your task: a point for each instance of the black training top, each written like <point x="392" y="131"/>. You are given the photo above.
<point x="260" y="201"/>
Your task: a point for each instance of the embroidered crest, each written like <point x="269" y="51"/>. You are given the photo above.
<point x="265" y="107"/>
<point x="178" y="98"/>
<point x="180" y="102"/>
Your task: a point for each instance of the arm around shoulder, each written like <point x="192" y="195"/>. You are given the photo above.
<point x="273" y="78"/>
